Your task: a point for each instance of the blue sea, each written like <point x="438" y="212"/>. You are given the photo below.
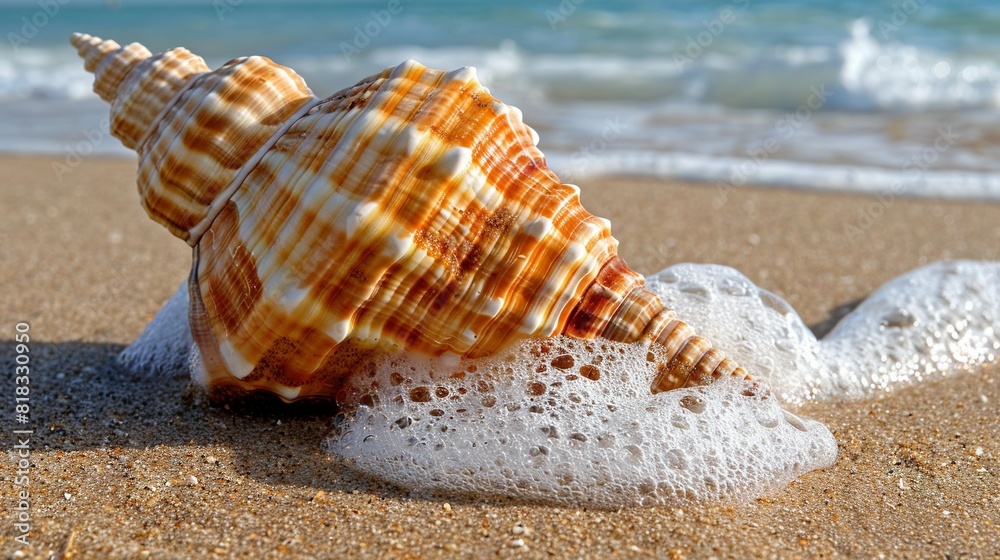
<point x="875" y="96"/>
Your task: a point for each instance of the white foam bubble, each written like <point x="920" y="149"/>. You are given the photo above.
<point x="534" y="426"/>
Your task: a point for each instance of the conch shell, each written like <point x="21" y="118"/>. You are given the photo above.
<point x="411" y="210"/>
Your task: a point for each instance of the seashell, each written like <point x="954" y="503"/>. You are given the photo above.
<point x="412" y="210"/>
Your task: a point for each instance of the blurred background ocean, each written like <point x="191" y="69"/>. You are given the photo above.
<point x="880" y="96"/>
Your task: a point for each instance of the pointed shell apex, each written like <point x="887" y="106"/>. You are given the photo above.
<point x="110" y="62"/>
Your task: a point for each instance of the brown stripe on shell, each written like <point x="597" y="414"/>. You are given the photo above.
<point x="210" y="132"/>
<point x="603" y="297"/>
<point x="148" y="91"/>
<point x="230" y="286"/>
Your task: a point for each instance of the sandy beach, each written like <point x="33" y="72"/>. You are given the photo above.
<point x="126" y="466"/>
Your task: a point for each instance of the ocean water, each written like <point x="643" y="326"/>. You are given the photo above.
<point x="872" y="96"/>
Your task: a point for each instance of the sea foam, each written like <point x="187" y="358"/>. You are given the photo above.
<point x="934" y="321"/>
<point x="545" y="424"/>
<point x="565" y="421"/>
<point x="552" y="434"/>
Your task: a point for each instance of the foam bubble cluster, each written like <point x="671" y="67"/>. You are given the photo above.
<point x="570" y="422"/>
<point x="934" y="321"/>
<point x="574" y="422"/>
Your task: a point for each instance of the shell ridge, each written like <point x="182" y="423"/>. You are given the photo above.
<point x="201" y="329"/>
<point x="303" y="189"/>
<point x="361" y="131"/>
<point x="490" y="200"/>
<point x="205" y="138"/>
<point x="486" y="317"/>
<point x="283" y="204"/>
<point x="151" y="85"/>
<point x="357" y="135"/>
<point x="220" y="201"/>
<point x="140" y="146"/>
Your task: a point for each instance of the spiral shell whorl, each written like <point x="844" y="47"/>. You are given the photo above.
<point x="207" y="140"/>
<point x="617" y="306"/>
<point x="109" y="62"/>
<point x="412" y="210"/>
<point x="137" y="84"/>
<point x="195" y="130"/>
<point x="148" y="90"/>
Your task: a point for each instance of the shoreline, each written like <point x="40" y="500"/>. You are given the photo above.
<point x="916" y="474"/>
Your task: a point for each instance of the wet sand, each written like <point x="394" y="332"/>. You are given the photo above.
<point x="115" y="455"/>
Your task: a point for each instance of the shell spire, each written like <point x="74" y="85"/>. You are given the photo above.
<point x="412" y="210"/>
<point x="109" y="62"/>
<point x="185" y="168"/>
<point x="137" y="84"/>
